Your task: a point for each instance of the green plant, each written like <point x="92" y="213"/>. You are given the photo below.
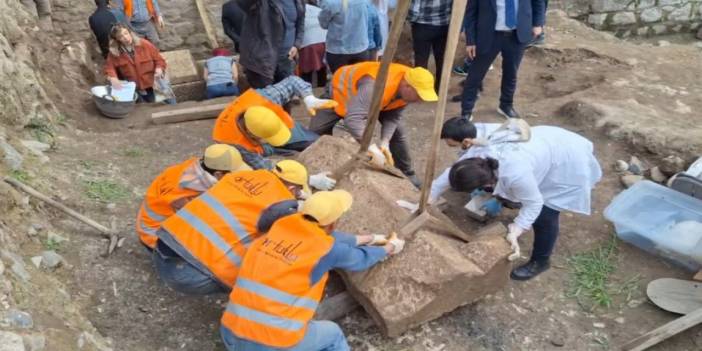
<point x="42" y="129"/>
<point x="52" y="244"/>
<point x="105" y="190"/>
<point x="134" y="152"/>
<point x="20" y="175"/>
<point x="590" y="274"/>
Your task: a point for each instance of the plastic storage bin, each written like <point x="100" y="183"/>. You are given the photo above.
<point x="661" y="221"/>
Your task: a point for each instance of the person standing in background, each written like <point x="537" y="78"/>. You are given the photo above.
<point x="375" y="38"/>
<point x="382" y="7"/>
<point x="232" y="21"/>
<point x="144" y="16"/>
<point x="116" y="8"/>
<point x="313" y="48"/>
<point x="101" y="22"/>
<point x="270" y="39"/>
<point x="346" y="43"/>
<point x="430" y="20"/>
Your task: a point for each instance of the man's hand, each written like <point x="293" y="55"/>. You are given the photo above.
<point x="394" y="245"/>
<point x="378" y="240"/>
<point x="536" y="31"/>
<point x="513" y="234"/>
<point x="313" y="104"/>
<point x="115" y="83"/>
<point x="292" y="53"/>
<point x="159" y="22"/>
<point x="322" y="181"/>
<point x="385" y="149"/>
<point x="470" y="52"/>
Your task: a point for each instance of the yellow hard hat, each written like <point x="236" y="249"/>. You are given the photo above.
<point x="265" y="124"/>
<point x="293" y="172"/>
<point x="223" y="157"/>
<point x="327" y="206"/>
<point x="423" y="82"/>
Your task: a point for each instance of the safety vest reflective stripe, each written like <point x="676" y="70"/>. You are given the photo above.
<point x="347" y="80"/>
<point x="228" y="218"/>
<point x="147" y="230"/>
<point x="264" y="318"/>
<point x="275" y="294"/>
<point x="210" y="234"/>
<point x="149" y="212"/>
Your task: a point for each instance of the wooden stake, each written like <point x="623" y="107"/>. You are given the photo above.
<point x="665" y="331"/>
<point x="206" y="22"/>
<point x="457" y="12"/>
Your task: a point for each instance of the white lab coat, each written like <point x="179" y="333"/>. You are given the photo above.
<point x="555" y="168"/>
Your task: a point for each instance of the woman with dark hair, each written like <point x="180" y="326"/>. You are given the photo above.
<point x="133" y="59"/>
<point x="552" y="172"/>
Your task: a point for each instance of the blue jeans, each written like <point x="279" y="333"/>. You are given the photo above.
<point x="320" y="336"/>
<point x="183" y="277"/>
<point x="224" y="89"/>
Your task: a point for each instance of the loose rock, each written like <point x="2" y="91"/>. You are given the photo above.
<point x="35" y="342"/>
<point x="21" y="272"/>
<point x="630" y="179"/>
<point x="636" y="166"/>
<point x="51" y="259"/>
<point x="10" y="342"/>
<point x="671" y="165"/>
<point x="557" y="341"/>
<point x="18" y="319"/>
<point x="51" y="236"/>
<point x="12" y="158"/>
<point x="621" y="166"/>
<point x="36" y="260"/>
<point x="658" y="176"/>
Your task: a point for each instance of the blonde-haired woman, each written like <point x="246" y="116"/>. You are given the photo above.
<point x="133" y="59"/>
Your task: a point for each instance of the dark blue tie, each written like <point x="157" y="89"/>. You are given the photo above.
<point x="510" y="14"/>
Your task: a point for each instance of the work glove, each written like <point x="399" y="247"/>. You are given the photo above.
<point x="385" y="149"/>
<point x="377" y="158"/>
<point x="492" y="207"/>
<point x="378" y="240"/>
<point x="411" y="206"/>
<point x="322" y="181"/>
<point x="397" y="244"/>
<point x="313" y="104"/>
<point x="513" y="233"/>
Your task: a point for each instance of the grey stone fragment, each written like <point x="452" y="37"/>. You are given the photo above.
<point x="50" y="259"/>
<point x="622" y="18"/>
<point x="18" y="319"/>
<point x="651" y="15"/>
<point x="681" y="14"/>
<point x="36" y="342"/>
<point x="11" y="157"/>
<point x="609" y="5"/>
<point x="631" y="179"/>
<point x="597" y="19"/>
<point x="10" y="342"/>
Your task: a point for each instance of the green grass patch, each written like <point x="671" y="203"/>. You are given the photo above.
<point x="51" y="244"/>
<point x="105" y="190"/>
<point x="42" y="130"/>
<point x="20" y="175"/>
<point x="134" y="152"/>
<point x="591" y="273"/>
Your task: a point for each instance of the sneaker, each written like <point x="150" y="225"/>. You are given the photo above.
<point x="460" y="70"/>
<point x="530" y="270"/>
<point x="507" y="111"/>
<point x="539" y="40"/>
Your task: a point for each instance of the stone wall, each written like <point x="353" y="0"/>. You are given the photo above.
<point x="645" y="17"/>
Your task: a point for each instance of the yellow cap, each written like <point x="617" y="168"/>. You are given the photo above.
<point x="265" y="124"/>
<point x="292" y="172"/>
<point x="327" y="206"/>
<point x="423" y="82"/>
<point x="222" y="157"/>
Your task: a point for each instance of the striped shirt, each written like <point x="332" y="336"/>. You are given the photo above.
<point x="432" y="12"/>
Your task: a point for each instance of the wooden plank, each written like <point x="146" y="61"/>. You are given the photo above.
<point x="190" y="111"/>
<point x="208" y="25"/>
<point x="335" y="307"/>
<point x="663" y="332"/>
<point x="456" y="21"/>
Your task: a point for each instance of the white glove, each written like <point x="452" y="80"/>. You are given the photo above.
<point x="378" y="240"/>
<point x="377" y="156"/>
<point x="397" y="244"/>
<point x="321" y="181"/>
<point x="411" y="206"/>
<point x="385" y="149"/>
<point x="513" y="234"/>
<point x="313" y="104"/>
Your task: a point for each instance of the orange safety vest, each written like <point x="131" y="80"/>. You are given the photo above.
<point x="129" y="8"/>
<point x="226" y="129"/>
<point x="158" y="202"/>
<point x="273" y="301"/>
<point x="345" y="84"/>
<point x="218" y="226"/>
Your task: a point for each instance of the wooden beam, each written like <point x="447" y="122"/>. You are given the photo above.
<point x="190" y="110"/>
<point x="665" y="331"/>
<point x="456" y="21"/>
<point x="398" y="22"/>
<point x="335" y="307"/>
<point x="211" y="36"/>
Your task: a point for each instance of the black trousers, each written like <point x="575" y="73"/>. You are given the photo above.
<point x="337" y="60"/>
<point x="545" y="234"/>
<point x="512" y="51"/>
<point x="321" y="77"/>
<point x="283" y="69"/>
<point x="426" y="39"/>
<point x="325" y="120"/>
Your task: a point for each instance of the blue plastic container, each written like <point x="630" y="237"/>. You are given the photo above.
<point x="661" y="221"/>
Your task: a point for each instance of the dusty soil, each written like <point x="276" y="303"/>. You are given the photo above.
<point x="125" y="301"/>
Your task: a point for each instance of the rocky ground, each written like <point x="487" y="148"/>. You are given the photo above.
<point x="629" y="99"/>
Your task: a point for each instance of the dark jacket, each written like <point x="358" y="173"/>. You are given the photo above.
<point x="101" y="22"/>
<point x="481" y="16"/>
<point x="232" y="20"/>
<point x="262" y="32"/>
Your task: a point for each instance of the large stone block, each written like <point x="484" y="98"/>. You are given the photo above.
<point x="680" y="14"/>
<point x="623" y="18"/>
<point x="181" y="66"/>
<point x="435" y="273"/>
<point x="651" y="15"/>
<point x="669" y="2"/>
<point x="609" y="5"/>
<point x="597" y="20"/>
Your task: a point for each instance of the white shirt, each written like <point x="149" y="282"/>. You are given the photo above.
<point x="555" y="168"/>
<point x="314" y="33"/>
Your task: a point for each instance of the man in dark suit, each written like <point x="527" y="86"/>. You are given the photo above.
<point x="498" y="27"/>
<point x="232" y="20"/>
